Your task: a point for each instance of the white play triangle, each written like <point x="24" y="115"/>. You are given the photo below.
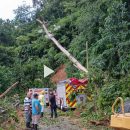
<point x="47" y="71"/>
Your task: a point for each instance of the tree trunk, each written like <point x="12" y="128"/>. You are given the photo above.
<point x="51" y="37"/>
<point x="8" y="90"/>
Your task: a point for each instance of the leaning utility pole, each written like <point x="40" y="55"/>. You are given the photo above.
<point x="52" y="38"/>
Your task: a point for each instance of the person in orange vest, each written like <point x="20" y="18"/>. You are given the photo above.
<point x="41" y="98"/>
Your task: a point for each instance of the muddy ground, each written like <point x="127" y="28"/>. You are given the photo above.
<point x="63" y="122"/>
<point x="59" y="123"/>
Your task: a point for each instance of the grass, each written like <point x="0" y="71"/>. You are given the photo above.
<point x="9" y="117"/>
<point x="88" y="114"/>
<point x="84" y="118"/>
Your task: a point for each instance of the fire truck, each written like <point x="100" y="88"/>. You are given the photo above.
<point x="70" y="93"/>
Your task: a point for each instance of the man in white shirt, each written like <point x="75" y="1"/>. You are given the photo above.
<point x="27" y="109"/>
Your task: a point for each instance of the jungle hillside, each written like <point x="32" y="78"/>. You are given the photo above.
<point x="95" y="32"/>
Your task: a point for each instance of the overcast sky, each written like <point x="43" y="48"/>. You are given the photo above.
<point x="7" y="7"/>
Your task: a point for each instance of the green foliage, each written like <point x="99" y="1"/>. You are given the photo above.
<point x="72" y="97"/>
<point x="5" y="78"/>
<point x="7" y="56"/>
<point x="7" y="33"/>
<point x="104" y="24"/>
<point x="113" y="35"/>
<point x="23" y="14"/>
<point x="112" y="90"/>
<point x="9" y="108"/>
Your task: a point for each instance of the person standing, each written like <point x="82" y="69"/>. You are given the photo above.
<point x="42" y="102"/>
<point x="53" y="106"/>
<point x="36" y="111"/>
<point x="27" y="109"/>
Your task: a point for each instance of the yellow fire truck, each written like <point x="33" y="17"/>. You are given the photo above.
<point x="70" y="93"/>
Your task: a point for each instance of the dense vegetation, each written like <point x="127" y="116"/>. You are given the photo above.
<point x="103" y="24"/>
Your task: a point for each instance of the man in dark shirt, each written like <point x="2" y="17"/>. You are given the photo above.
<point x="53" y="105"/>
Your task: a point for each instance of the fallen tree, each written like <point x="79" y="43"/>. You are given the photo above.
<point x="50" y="36"/>
<point x="9" y="89"/>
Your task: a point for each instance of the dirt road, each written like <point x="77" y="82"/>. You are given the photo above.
<point x="64" y="122"/>
<point x="60" y="123"/>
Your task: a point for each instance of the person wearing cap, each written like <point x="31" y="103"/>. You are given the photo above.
<point x="42" y="101"/>
<point x="36" y="111"/>
<point x="27" y="109"/>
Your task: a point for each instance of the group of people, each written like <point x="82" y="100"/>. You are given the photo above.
<point x="34" y="108"/>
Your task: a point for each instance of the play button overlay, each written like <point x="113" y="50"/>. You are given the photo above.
<point x="47" y="71"/>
